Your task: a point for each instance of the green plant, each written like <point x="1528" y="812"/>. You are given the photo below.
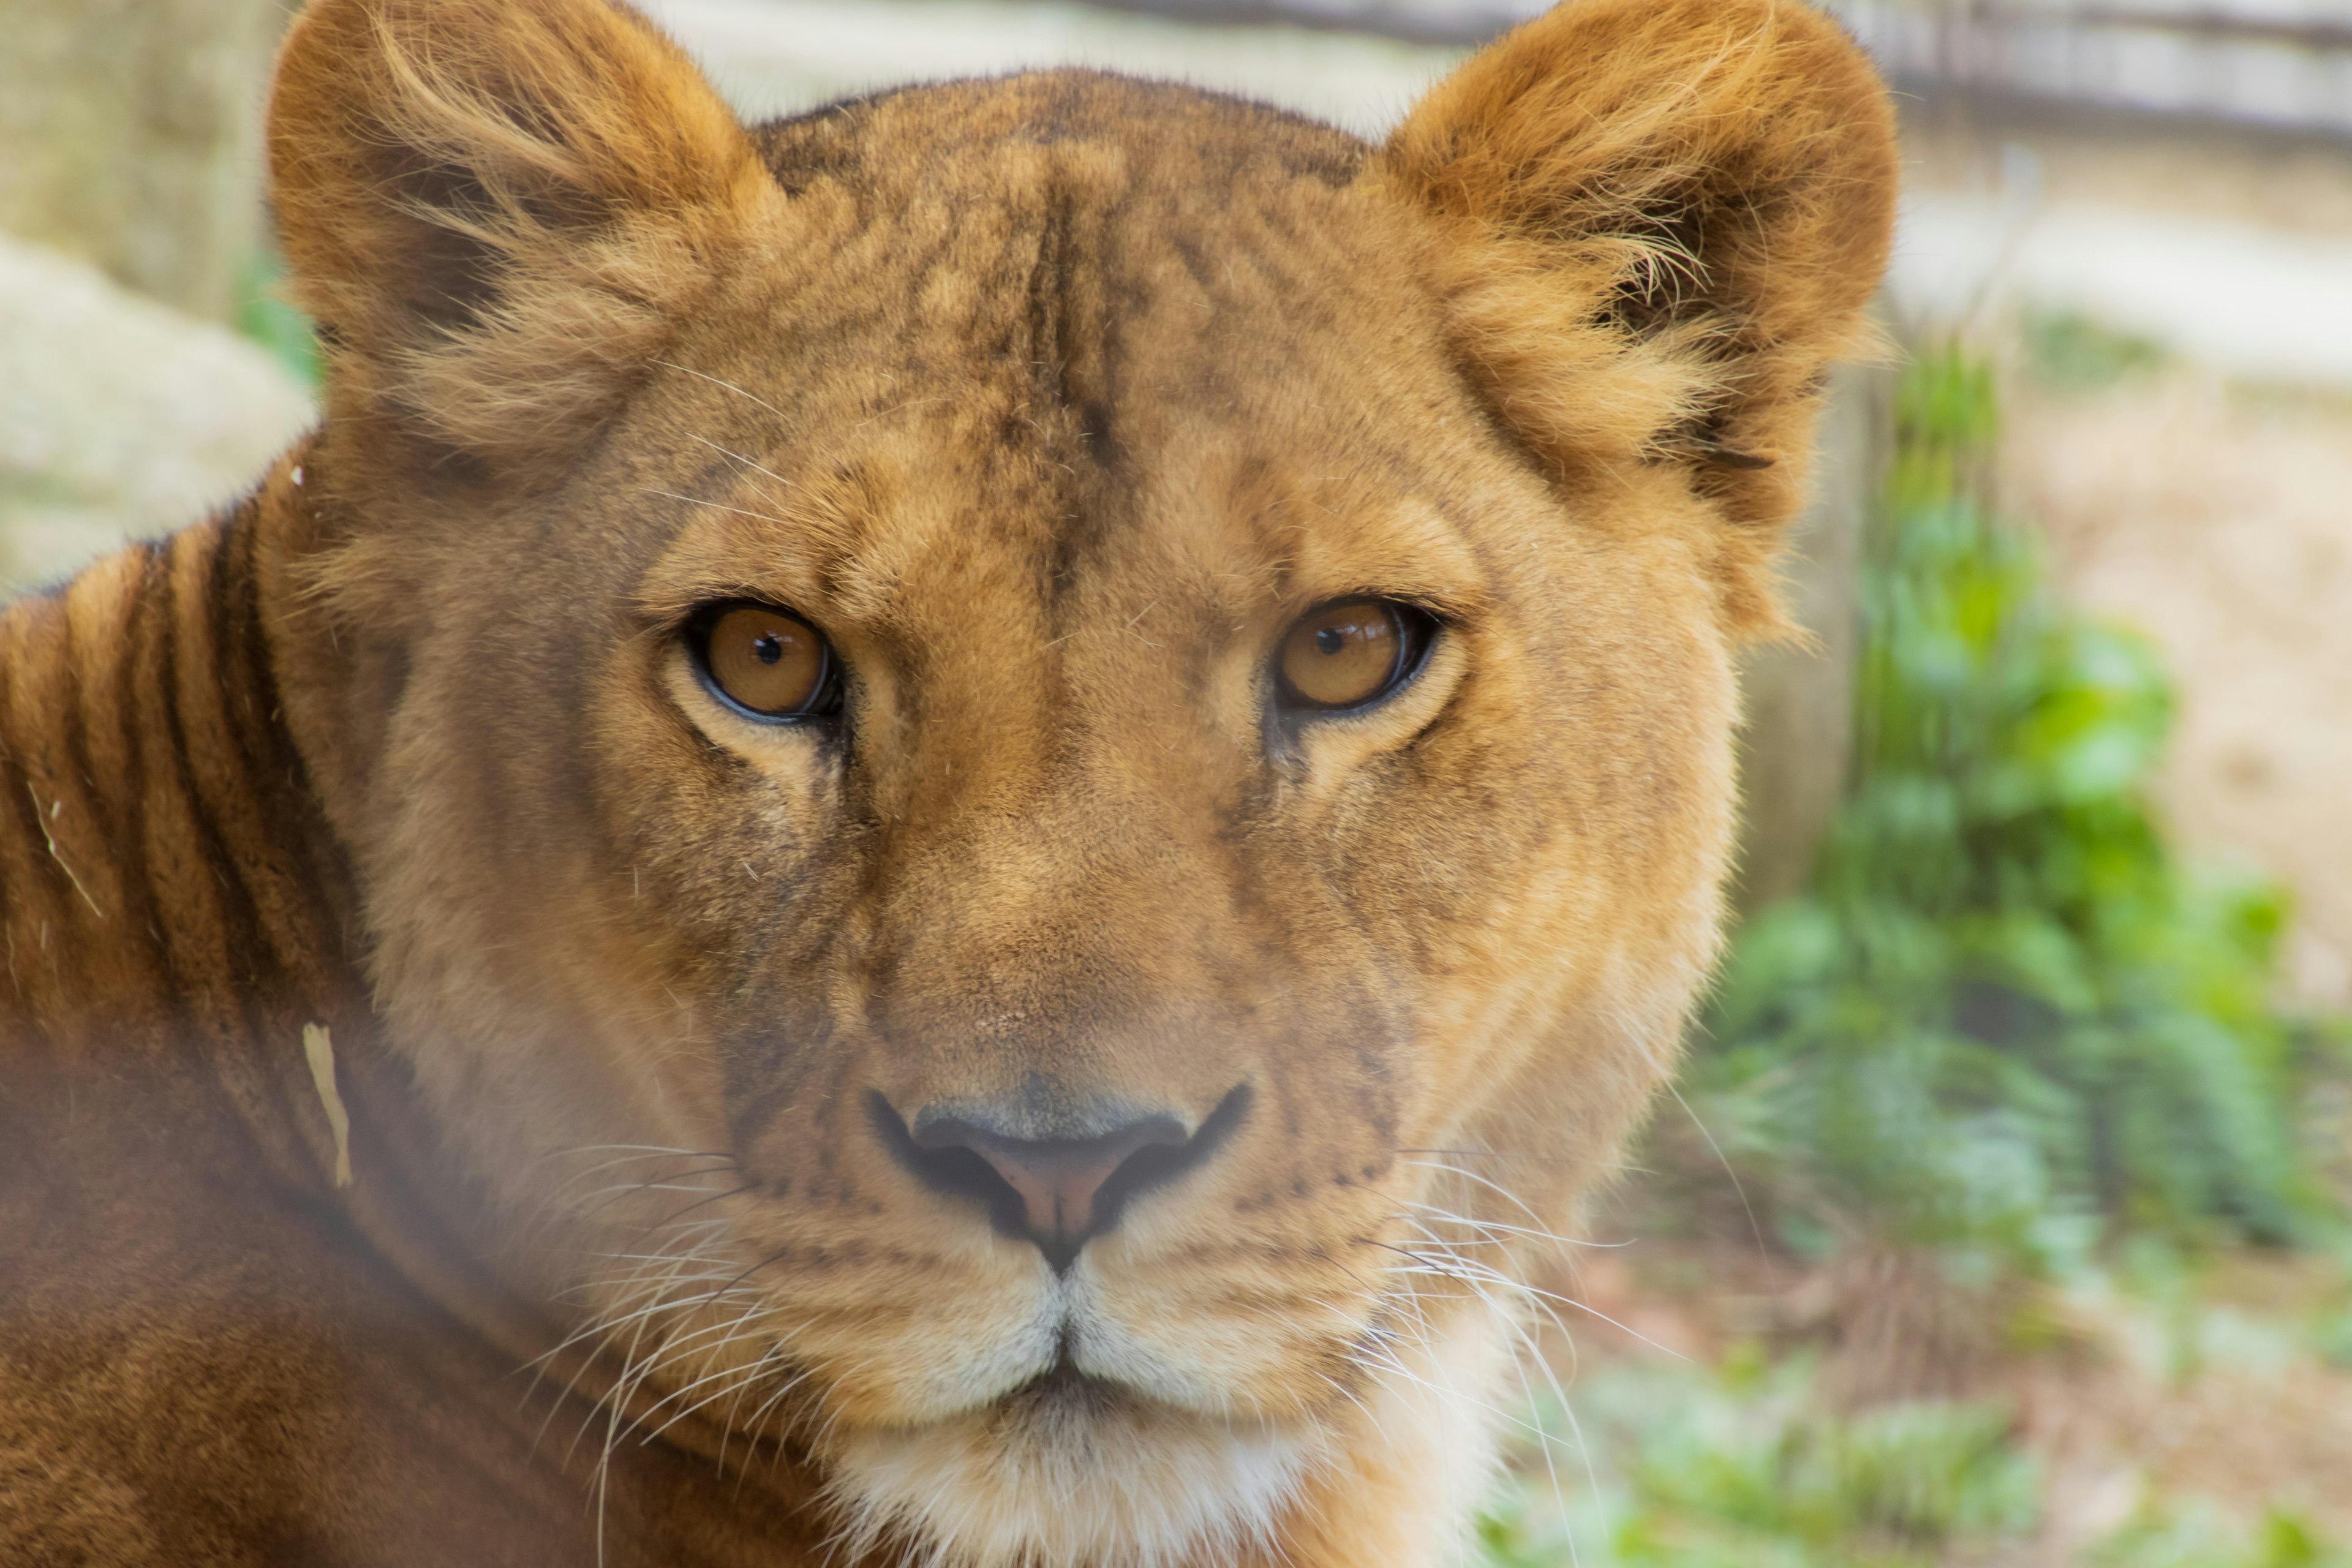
<point x="2003" y="1014"/>
<point x="2200" y="1537"/>
<point x="264" y="316"/>
<point x="2004" y="1024"/>
<point x="2072" y="352"/>
<point x="1743" y="1467"/>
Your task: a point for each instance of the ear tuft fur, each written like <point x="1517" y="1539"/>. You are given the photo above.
<point x="497" y="210"/>
<point x="1666" y="216"/>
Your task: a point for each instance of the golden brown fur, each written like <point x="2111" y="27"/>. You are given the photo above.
<point x="1053" y="402"/>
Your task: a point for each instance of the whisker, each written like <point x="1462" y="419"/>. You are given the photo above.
<point x="716" y="382"/>
<point x="1466" y="1268"/>
<point x="1531" y="1159"/>
<point x="715" y="506"/>
<point x="1530" y="1350"/>
<point x="1488" y="1181"/>
<point x="1498" y="1226"/>
<point x="747" y="462"/>
<point x="1754" y="1229"/>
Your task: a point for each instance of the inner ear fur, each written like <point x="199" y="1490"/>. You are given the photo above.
<point x="497" y="211"/>
<point x="1665" y="218"/>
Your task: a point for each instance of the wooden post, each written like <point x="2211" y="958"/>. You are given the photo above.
<point x="1796" y="745"/>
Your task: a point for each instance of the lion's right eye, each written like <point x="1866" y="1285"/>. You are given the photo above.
<point x="766" y="661"/>
<point x="1351" y="654"/>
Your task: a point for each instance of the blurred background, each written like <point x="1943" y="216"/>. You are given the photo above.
<point x="2001" y="1217"/>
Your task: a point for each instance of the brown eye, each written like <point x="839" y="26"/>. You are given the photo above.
<point x="768" y="661"/>
<point x="1347" y="654"/>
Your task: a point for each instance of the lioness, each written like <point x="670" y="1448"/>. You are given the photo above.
<point x="940" y="833"/>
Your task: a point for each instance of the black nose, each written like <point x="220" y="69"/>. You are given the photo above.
<point x="1056" y="1191"/>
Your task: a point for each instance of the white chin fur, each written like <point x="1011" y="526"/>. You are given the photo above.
<point x="1067" y="1477"/>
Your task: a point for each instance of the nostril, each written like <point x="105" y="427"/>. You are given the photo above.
<point x="1066" y="1186"/>
<point x="1055" y="1192"/>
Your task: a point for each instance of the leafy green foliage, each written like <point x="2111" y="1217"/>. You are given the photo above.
<point x="2072" y="352"/>
<point x="2004" y="1025"/>
<point x="1742" y="1468"/>
<point x="2194" y="1537"/>
<point x="264" y="316"/>
<point x="2003" y="1017"/>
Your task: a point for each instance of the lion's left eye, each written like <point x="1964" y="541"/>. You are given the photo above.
<point x="1351" y="653"/>
<point x="767" y="661"/>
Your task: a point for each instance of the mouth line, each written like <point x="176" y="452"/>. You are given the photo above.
<point x="1068" y="1385"/>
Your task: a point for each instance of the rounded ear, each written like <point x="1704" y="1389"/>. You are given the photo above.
<point x="497" y="211"/>
<point x="1665" y="217"/>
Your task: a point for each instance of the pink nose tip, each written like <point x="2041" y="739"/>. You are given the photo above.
<point x="1060" y="1181"/>
<point x="1059" y="1193"/>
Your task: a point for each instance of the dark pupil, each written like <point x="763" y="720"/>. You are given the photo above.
<point x="768" y="647"/>
<point x="1330" y="639"/>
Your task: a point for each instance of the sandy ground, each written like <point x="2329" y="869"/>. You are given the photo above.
<point x="2221" y="523"/>
<point x="2214" y="514"/>
<point x="2125" y="1404"/>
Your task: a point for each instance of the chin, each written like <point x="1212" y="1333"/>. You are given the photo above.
<point x="1070" y="1470"/>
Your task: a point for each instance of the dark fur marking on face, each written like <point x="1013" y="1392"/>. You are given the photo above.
<point x="1056" y="312"/>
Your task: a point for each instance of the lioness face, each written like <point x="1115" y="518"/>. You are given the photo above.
<point x="1039" y="838"/>
<point x="1057" y="881"/>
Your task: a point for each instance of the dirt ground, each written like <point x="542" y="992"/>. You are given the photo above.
<point x="2215" y="517"/>
<point x="2219" y="521"/>
<point x="2221" y="1403"/>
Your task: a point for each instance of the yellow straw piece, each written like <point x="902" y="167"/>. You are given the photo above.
<point x="322" y="1052"/>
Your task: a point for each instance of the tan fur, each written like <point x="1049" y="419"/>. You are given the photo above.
<point x="1053" y="401"/>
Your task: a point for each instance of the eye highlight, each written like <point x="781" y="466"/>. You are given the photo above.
<point x="1350" y="653"/>
<point x="765" y="661"/>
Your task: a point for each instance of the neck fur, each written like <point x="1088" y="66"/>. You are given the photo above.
<point x="163" y="865"/>
<point x="177" y="913"/>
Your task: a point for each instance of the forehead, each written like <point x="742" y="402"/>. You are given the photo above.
<point x="1044" y="332"/>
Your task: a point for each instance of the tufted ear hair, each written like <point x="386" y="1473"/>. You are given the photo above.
<point x="1666" y="216"/>
<point x="497" y="211"/>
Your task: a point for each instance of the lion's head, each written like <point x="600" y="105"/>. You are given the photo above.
<point x="1040" y="766"/>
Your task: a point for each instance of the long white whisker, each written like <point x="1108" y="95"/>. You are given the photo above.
<point x="749" y="463"/>
<point x="1488" y="1181"/>
<point x="1464" y="1268"/>
<point x="1754" y="1229"/>
<point x="1530" y="1350"/>
<point x="1498" y="1228"/>
<point x="716" y="382"/>
<point x="715" y="506"/>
